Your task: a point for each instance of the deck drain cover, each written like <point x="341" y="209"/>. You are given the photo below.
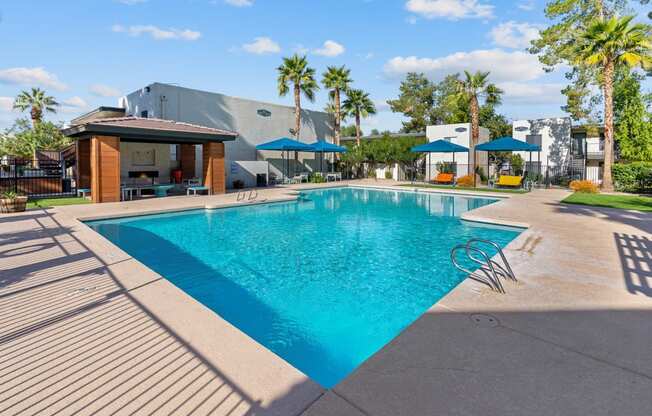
<point x="483" y="320"/>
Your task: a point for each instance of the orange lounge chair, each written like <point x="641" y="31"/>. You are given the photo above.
<point x="444" y="178"/>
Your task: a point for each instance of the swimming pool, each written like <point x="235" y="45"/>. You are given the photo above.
<point x="324" y="282"/>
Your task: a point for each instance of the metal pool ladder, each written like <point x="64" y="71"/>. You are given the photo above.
<point x="251" y="195"/>
<point x="490" y="271"/>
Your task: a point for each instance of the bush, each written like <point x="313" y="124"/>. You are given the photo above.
<point x="465" y="181"/>
<point x="238" y="184"/>
<point x="445" y="167"/>
<point x="317" y="178"/>
<point x="388" y="174"/>
<point x="633" y="177"/>
<point x="587" y="187"/>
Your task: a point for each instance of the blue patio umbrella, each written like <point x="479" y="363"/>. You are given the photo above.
<point x="509" y="144"/>
<point x="439" y="146"/>
<point x="285" y="144"/>
<point x="322" y="146"/>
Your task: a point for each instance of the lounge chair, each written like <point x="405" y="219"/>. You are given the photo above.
<point x="510" y="181"/>
<point x="194" y="190"/>
<point x="444" y="178"/>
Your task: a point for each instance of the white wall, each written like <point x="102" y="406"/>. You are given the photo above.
<point x="458" y="134"/>
<point x="235" y="114"/>
<point x="246" y="171"/>
<point x="555" y="139"/>
<point x="162" y="160"/>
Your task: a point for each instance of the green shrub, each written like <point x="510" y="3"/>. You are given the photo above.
<point x="445" y="167"/>
<point x="388" y="174"/>
<point x="317" y="178"/>
<point x="633" y="177"/>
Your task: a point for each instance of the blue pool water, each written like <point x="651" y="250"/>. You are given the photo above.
<point x="323" y="282"/>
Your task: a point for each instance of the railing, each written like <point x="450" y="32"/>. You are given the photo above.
<point x="37" y="178"/>
<point x="490" y="271"/>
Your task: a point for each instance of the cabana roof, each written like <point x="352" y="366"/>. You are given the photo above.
<point x="149" y="130"/>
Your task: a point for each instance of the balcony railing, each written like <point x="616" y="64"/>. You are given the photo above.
<point x="595" y="155"/>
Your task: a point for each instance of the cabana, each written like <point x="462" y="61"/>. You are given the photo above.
<point x="284" y="145"/>
<point x="510" y="144"/>
<point x="322" y="146"/>
<point x="439" y="146"/>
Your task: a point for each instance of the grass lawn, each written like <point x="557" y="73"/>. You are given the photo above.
<point x="633" y="202"/>
<point x="459" y="188"/>
<point x="54" y="202"/>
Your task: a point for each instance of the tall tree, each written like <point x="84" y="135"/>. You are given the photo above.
<point x="360" y="105"/>
<point x="23" y="140"/>
<point x="556" y="45"/>
<point x="337" y="80"/>
<point x="295" y="71"/>
<point x="37" y="101"/>
<point x="605" y="44"/>
<point x="632" y="120"/>
<point x="416" y="101"/>
<point x="473" y="88"/>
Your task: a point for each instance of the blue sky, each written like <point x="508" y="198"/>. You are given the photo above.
<point x="88" y="53"/>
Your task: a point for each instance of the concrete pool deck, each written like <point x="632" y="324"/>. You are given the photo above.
<point x="87" y="329"/>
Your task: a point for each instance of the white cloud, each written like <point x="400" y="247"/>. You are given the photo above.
<point x="451" y="9"/>
<point x="76" y="102"/>
<point x="31" y="77"/>
<point x="262" y="45"/>
<point x="330" y="49"/>
<point x="101" y="90"/>
<point x="158" y="33"/>
<point x="526" y="5"/>
<point x="300" y="49"/>
<point x="532" y="94"/>
<point x="514" y="35"/>
<point x="6" y="104"/>
<point x="504" y="66"/>
<point x="240" y="3"/>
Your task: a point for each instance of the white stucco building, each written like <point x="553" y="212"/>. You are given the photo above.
<point x="458" y="134"/>
<point x="576" y="151"/>
<point x="255" y="122"/>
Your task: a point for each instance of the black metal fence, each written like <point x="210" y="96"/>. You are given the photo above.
<point x="37" y="178"/>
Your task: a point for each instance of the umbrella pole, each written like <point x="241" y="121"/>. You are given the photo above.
<point x="487" y="168"/>
<point x="429" y="166"/>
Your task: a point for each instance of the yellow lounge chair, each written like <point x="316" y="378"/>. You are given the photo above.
<point x="511" y="181"/>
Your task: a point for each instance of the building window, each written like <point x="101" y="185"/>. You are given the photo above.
<point x="534" y="139"/>
<point x="144" y="114"/>
<point x="174" y="152"/>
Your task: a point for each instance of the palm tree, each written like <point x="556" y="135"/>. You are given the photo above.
<point x="359" y="105"/>
<point x="606" y="44"/>
<point x="295" y="70"/>
<point x="37" y="101"/>
<point x="472" y="89"/>
<point x="337" y="79"/>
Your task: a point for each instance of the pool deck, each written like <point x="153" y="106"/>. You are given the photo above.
<point x="86" y="329"/>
